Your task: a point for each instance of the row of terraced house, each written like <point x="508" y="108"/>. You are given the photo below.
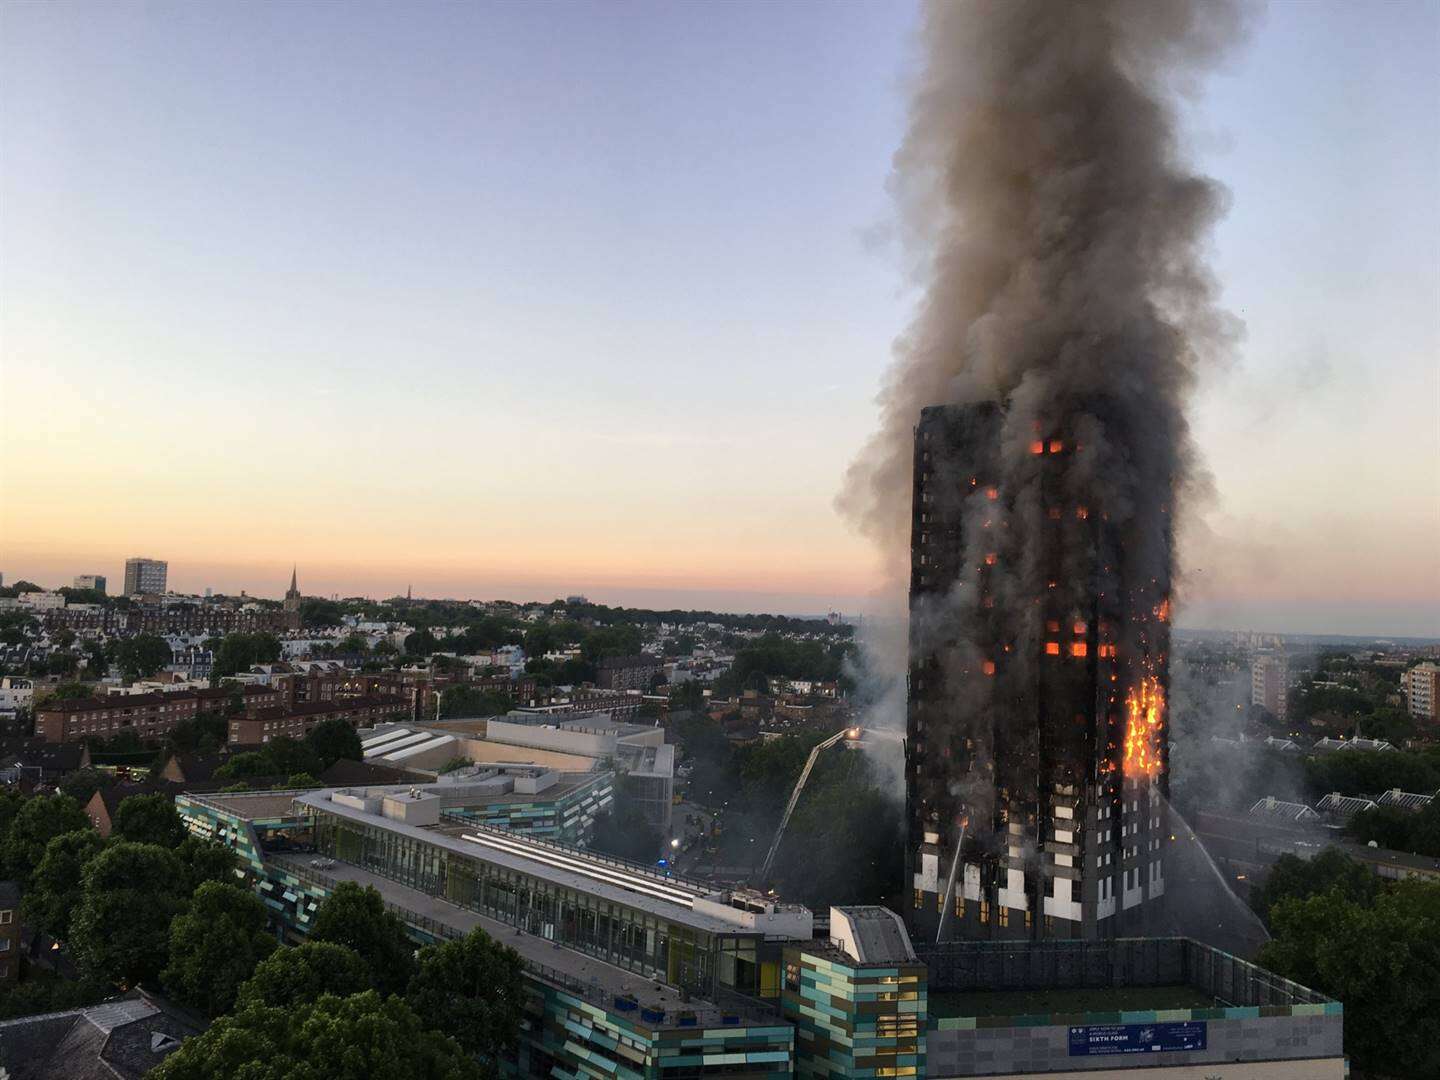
<point x="264" y="713"/>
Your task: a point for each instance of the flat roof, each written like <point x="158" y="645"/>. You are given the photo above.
<point x="516" y="853"/>
<point x="251" y="805"/>
<point x="596" y="975"/>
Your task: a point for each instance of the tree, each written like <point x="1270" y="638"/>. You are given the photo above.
<point x="215" y="946"/>
<point x="473" y="701"/>
<point x="83" y="783"/>
<point x="1382" y="961"/>
<point x="70" y="691"/>
<point x="129" y="894"/>
<point x="318" y="612"/>
<point x="141" y="656"/>
<point x="205" y="860"/>
<point x="149" y="819"/>
<point x="96" y="664"/>
<point x="38" y="821"/>
<point x="356" y="918"/>
<point x="55" y="887"/>
<point x="353" y="643"/>
<point x="289" y="978"/>
<point x="334" y="739"/>
<point x="282" y="756"/>
<point x="1294" y="878"/>
<point x="471" y="990"/>
<point x="238" y="651"/>
<point x="204" y="731"/>
<point x="1400" y="830"/>
<point x="363" y="1035"/>
<point x="420" y="643"/>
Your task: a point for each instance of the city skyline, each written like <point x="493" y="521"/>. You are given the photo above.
<point x="455" y="372"/>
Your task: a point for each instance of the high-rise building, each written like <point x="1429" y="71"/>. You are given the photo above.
<point x="90" y="581"/>
<point x="1270" y="682"/>
<point x="1036" y="752"/>
<point x="292" y="594"/>
<point x="1422" y="691"/>
<point x="145" y="576"/>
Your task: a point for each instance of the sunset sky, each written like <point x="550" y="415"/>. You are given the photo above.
<point x="525" y="300"/>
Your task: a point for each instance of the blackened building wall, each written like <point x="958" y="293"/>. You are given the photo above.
<point x="1035" y="661"/>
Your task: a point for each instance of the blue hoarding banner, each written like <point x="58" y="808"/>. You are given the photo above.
<point x="1136" y="1038"/>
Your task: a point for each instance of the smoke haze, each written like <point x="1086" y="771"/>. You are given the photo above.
<point x="1058" y="236"/>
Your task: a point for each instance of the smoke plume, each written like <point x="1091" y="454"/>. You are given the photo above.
<point x="1058" y="236"/>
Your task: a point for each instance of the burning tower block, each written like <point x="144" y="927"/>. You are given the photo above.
<point x="1036" y="750"/>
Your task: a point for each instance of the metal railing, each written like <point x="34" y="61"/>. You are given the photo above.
<point x="1061" y="965"/>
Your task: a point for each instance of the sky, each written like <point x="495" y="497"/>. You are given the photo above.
<point x="503" y="300"/>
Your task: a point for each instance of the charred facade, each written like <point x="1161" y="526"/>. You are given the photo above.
<point x="1036" y="756"/>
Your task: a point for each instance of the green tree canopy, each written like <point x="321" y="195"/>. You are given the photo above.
<point x="55" y="887"/>
<point x="215" y="946"/>
<point x="334" y="1038"/>
<point x="238" y="651"/>
<point x="334" y="739"/>
<point x="205" y="731"/>
<point x="1294" y="878"/>
<point x="206" y="860"/>
<point x="471" y="990"/>
<point x="1382" y="961"/>
<point x="473" y="701"/>
<point x="141" y="656"/>
<point x="421" y="643"/>
<point x="317" y="612"/>
<point x="281" y="756"/>
<point x="1400" y="830"/>
<point x="129" y="894"/>
<point x="356" y="918"/>
<point x="149" y="819"/>
<point x="297" y="976"/>
<point x="82" y="784"/>
<point x="38" y="821"/>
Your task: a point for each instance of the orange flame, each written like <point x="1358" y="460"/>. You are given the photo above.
<point x="1144" y="712"/>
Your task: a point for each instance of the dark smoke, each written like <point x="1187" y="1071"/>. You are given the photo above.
<point x="1058" y="234"/>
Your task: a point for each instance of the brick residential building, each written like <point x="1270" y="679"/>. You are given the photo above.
<point x="628" y="672"/>
<point x="150" y="716"/>
<point x="297" y="721"/>
<point x="173" y="619"/>
<point x="9" y="932"/>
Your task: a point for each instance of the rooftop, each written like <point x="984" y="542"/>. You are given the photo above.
<point x="579" y="973"/>
<point x="679" y="900"/>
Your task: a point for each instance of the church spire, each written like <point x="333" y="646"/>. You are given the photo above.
<point x="292" y="594"/>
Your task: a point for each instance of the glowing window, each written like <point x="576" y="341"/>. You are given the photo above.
<point x="990" y="559"/>
<point x="988" y="667"/>
<point x="1079" y="628"/>
<point x="1052" y="648"/>
<point x="1053" y="626"/>
<point x="1078" y="648"/>
<point x="992" y="494"/>
<point x="1037" y="447"/>
<point x="1056" y="446"/>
